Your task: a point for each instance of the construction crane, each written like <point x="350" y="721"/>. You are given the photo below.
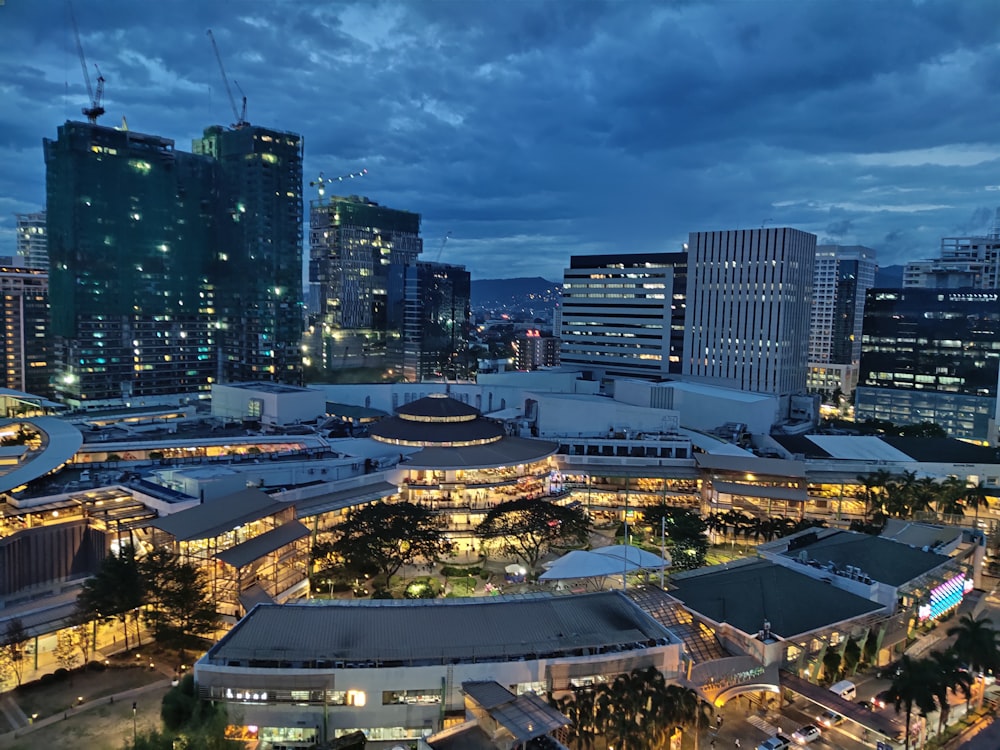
<point x="240" y="115"/>
<point x="443" y="243"/>
<point x="321" y="182"/>
<point x="96" y="108"/>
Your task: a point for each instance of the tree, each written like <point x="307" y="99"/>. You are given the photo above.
<point x="14" y="645"/>
<point x="685" y="531"/>
<point x="852" y="656"/>
<point x="81" y="637"/>
<point x="115" y="591"/>
<point x="388" y="536"/>
<point x="872" y="491"/>
<point x="951" y="678"/>
<point x="978" y="645"/>
<point x="177" y="593"/>
<point x="831" y="665"/>
<point x="914" y="687"/>
<point x="66" y="649"/>
<point x="526" y="528"/>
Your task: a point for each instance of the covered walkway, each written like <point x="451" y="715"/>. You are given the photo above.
<point x="870" y="720"/>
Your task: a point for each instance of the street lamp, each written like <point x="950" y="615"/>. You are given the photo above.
<point x="134" y="731"/>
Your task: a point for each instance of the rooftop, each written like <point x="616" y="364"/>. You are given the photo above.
<point x="507" y="451"/>
<point x="219" y="516"/>
<point x="322" y="634"/>
<point x="744" y="596"/>
<point x="268" y="387"/>
<point x="881" y="559"/>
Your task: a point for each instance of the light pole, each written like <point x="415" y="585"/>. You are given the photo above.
<point x="134" y="730"/>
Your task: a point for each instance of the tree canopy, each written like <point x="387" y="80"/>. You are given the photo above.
<point x="115" y="591"/>
<point x="685" y="532"/>
<point x="527" y="528"/>
<point x="180" y="609"/>
<point x="388" y="536"/>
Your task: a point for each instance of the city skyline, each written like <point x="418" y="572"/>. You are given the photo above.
<point x="533" y="132"/>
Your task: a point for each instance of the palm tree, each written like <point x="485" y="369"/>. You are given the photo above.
<point x="949" y="501"/>
<point x="951" y="678"/>
<point x="690" y="710"/>
<point x="914" y="686"/>
<point x="978" y="645"/>
<point x="899" y="495"/>
<point x="924" y="494"/>
<point x="975" y="497"/>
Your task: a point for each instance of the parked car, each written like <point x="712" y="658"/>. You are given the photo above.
<point x="829" y="719"/>
<point x="777" y="742"/>
<point x="805" y="735"/>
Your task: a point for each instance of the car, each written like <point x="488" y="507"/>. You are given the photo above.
<point x="881" y="699"/>
<point x="829" y="719"/>
<point x="806" y="734"/>
<point x="777" y="742"/>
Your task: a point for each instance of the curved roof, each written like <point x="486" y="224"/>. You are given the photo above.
<point x="60" y="443"/>
<point x="438" y="406"/>
<point x="504" y="452"/>
<point x="435" y="433"/>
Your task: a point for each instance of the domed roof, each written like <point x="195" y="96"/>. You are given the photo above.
<point x="438" y="407"/>
<point x="437" y="420"/>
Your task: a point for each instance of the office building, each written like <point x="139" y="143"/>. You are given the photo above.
<point x="32" y="242"/>
<point x="843" y="274"/>
<point x="437" y="319"/>
<point x="748" y="297"/>
<point x="535" y="349"/>
<point x="24" y="308"/>
<point x="931" y="355"/>
<point x="964" y="262"/>
<point x="357" y="250"/>
<point x="623" y="315"/>
<point x="132" y="244"/>
<point x="259" y="295"/>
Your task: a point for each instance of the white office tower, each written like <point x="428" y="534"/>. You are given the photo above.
<point x="32" y="242"/>
<point x="964" y="263"/>
<point x="843" y="274"/>
<point x="748" y="297"/>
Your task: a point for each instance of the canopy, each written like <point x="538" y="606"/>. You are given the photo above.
<point x="642" y="559"/>
<point x="581" y="564"/>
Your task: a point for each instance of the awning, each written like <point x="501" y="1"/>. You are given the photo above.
<point x="253" y="596"/>
<point x="825" y="698"/>
<point x="252" y="549"/>
<point x="581" y="564"/>
<point x="797" y="494"/>
<point x="640" y="557"/>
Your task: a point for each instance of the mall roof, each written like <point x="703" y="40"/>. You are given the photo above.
<point x="341" y="499"/>
<point x="61" y="442"/>
<point x="246" y="552"/>
<point x="919" y="534"/>
<point x="507" y="451"/>
<point x="881" y="559"/>
<point x="434" y="631"/>
<point x="943" y="450"/>
<point x="438" y="405"/>
<point x="751" y="464"/>
<point x="440" y="433"/>
<point x="218" y="516"/>
<point x="268" y="387"/>
<point x="524" y="716"/>
<point x="744" y="596"/>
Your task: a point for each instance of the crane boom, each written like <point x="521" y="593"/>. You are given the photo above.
<point x="321" y="182"/>
<point x="240" y="121"/>
<point x="96" y="108"/>
<point x="441" y="249"/>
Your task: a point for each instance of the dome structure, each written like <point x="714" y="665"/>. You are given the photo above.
<point x="454" y="435"/>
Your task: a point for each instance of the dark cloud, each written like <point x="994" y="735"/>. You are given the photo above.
<point x="533" y="131"/>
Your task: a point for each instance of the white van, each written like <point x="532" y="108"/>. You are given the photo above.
<point x="85" y="475"/>
<point x="845" y="689"/>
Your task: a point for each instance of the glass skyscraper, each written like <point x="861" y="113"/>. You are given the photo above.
<point x="931" y="355"/>
<point x="437" y="320"/>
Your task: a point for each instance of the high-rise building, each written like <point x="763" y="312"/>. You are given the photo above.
<point x="24" y="309"/>
<point x="964" y="262"/>
<point x="32" y="242"/>
<point x="535" y="349"/>
<point x="931" y="355"/>
<point x="437" y="321"/>
<point x="623" y="315"/>
<point x="133" y="239"/>
<point x="357" y="252"/>
<point x="259" y="296"/>
<point x="748" y="298"/>
<point x="842" y="276"/>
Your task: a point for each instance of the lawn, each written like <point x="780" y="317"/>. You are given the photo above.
<point x="56" y="697"/>
<point x="103" y="728"/>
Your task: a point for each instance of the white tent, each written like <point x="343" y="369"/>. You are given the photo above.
<point x="640" y="558"/>
<point x="581" y="564"/>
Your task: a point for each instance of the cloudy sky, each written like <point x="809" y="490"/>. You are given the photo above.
<point x="534" y="130"/>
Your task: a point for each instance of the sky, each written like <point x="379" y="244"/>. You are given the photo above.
<point x="530" y="131"/>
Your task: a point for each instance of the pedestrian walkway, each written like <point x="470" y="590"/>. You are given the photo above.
<point x="127" y="695"/>
<point x="763" y="725"/>
<point x="15" y="716"/>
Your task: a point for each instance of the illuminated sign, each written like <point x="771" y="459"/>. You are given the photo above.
<point x="944" y="598"/>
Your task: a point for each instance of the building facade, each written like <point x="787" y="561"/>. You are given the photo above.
<point x="964" y="262"/>
<point x="24" y="307"/>
<point x="357" y="252"/>
<point x="437" y="321"/>
<point x="132" y="244"/>
<point x="843" y="274"/>
<point x="749" y="292"/>
<point x="32" y="242"/>
<point x="931" y="355"/>
<point x="623" y="315"/>
<point x="535" y="349"/>
<point x="259" y="291"/>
